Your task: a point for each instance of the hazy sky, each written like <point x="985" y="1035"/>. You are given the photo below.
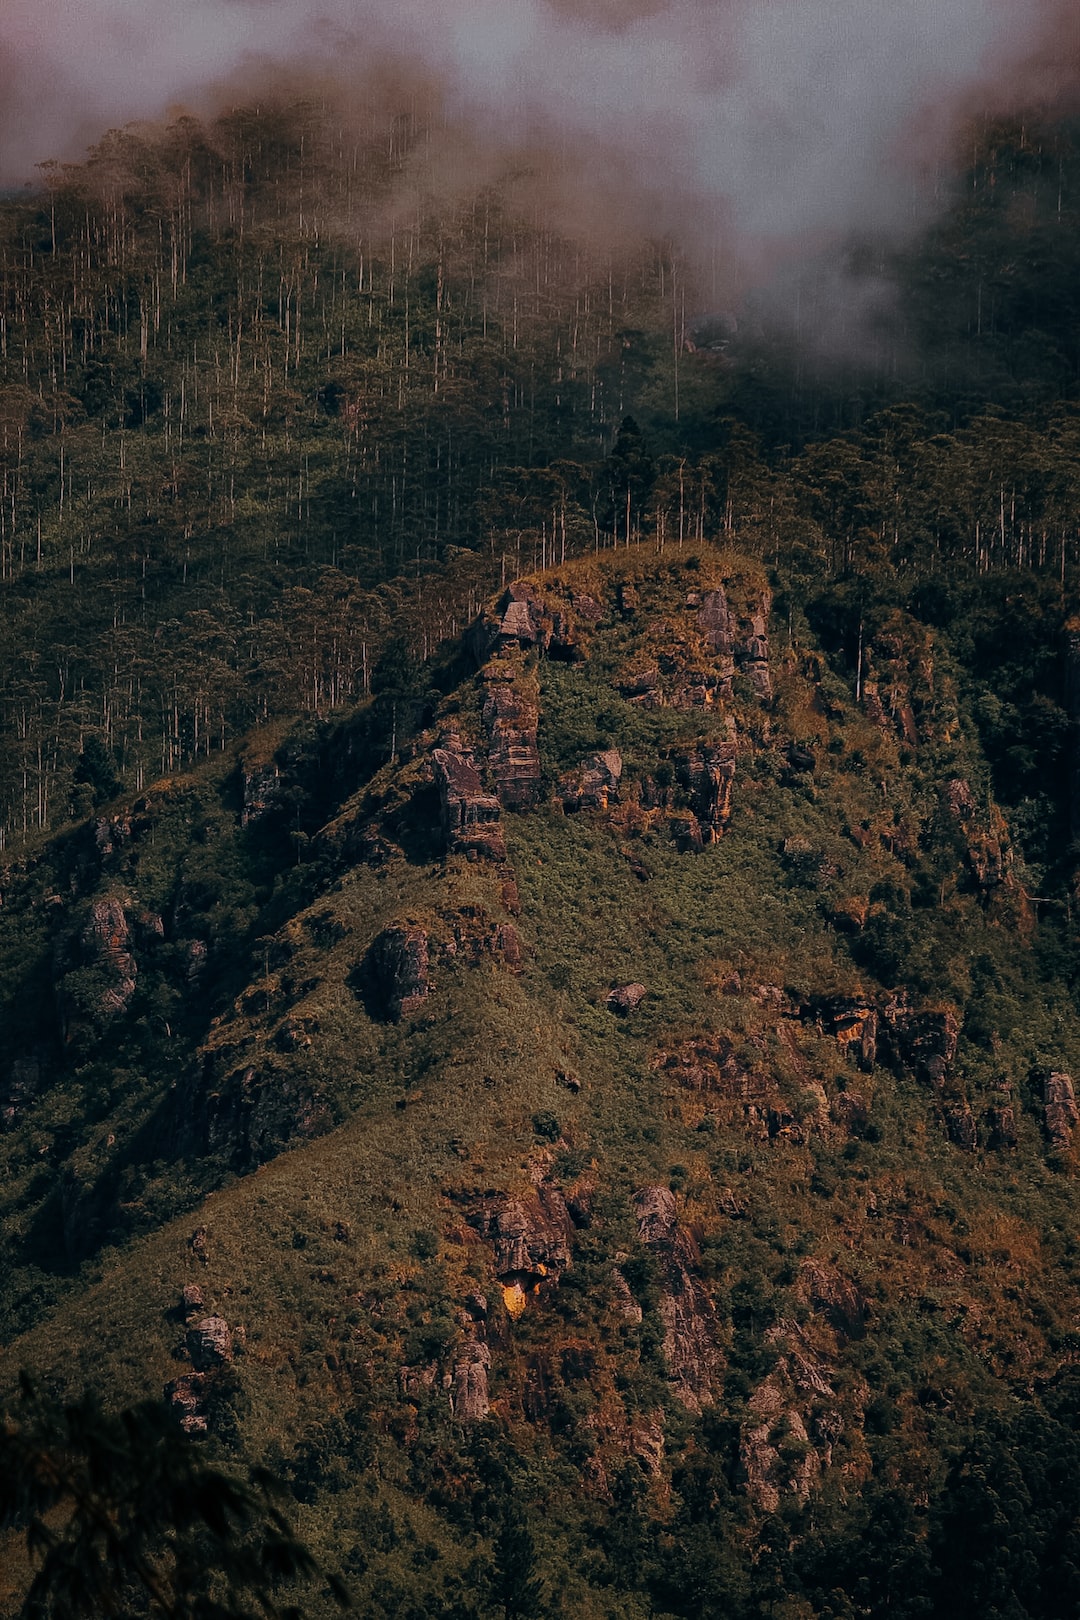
<point x="787" y="117"/>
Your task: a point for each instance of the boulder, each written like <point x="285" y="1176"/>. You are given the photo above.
<point x="184" y="1396"/>
<point x="210" y="1344"/>
<point x="626" y="998"/>
<point x="192" y="1298"/>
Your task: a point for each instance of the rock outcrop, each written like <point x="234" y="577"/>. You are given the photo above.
<point x="1001" y="1126"/>
<point x="511" y="714"/>
<point x="595" y="783"/>
<point x="397" y="965"/>
<point x="260" y="783"/>
<point x="827" y="1290"/>
<point x="470" y="814"/>
<point x="530" y="1234"/>
<point x="688" y="1314"/>
<point x="853" y="1023"/>
<point x="468" y="1382"/>
<point x="707" y="776"/>
<point x="923" y="1040"/>
<point x="626" y="998"/>
<point x="1060" y="1111"/>
<point x="961" y="1127"/>
<point x="752" y="647"/>
<point x="989" y="853"/>
<point x="209" y="1343"/>
<point x="104" y="980"/>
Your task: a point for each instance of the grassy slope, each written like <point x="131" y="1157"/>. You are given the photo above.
<point x="316" y="1253"/>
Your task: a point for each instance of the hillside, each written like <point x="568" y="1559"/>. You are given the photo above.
<point x="639" y="1115"/>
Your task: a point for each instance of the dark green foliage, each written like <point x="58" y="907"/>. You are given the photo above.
<point x="124" y="1516"/>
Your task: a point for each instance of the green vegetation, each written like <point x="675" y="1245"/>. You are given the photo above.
<point x="756" y="1295"/>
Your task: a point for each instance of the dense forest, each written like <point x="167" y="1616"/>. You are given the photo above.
<point x="267" y="402"/>
<point x="540" y="826"/>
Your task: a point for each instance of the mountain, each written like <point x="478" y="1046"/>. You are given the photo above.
<point x="640" y="1115"/>
<point x="539" y="863"/>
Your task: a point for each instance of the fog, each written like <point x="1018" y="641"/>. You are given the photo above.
<point x="774" y="126"/>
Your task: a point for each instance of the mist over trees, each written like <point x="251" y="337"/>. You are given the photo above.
<point x="268" y="399"/>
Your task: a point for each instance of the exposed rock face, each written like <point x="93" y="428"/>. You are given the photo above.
<point x="105" y="944"/>
<point x="723" y="1088"/>
<point x="523" y="620"/>
<point x="475" y="937"/>
<point x="594" y="784"/>
<point x="398" y="962"/>
<point x="752" y="647"/>
<point x="625" y="1302"/>
<point x="111" y="834"/>
<point x="1061" y="1113"/>
<point x="989" y="855"/>
<point x="778" y="1454"/>
<point x="709" y="1065"/>
<point x="775" y="1452"/>
<point x="469" y="1382"/>
<point x="895" y="663"/>
<point x="511" y="715"/>
<point x="626" y="998"/>
<point x="521" y="616"/>
<point x="854" y="1023"/>
<point x="642" y="688"/>
<point x="530" y="1234"/>
<point x="827" y="1290"/>
<point x="470" y="814"/>
<point x="248" y="1113"/>
<point x="925" y="1040"/>
<point x="688" y="1313"/>
<point x="714" y="621"/>
<point x="707" y="777"/>
<point x="184" y="1396"/>
<point x="210" y="1344"/>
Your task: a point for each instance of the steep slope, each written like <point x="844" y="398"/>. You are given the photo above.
<point x="643" y="1113"/>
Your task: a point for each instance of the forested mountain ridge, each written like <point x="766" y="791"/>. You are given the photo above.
<point x="268" y="398"/>
<point x="541" y="969"/>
